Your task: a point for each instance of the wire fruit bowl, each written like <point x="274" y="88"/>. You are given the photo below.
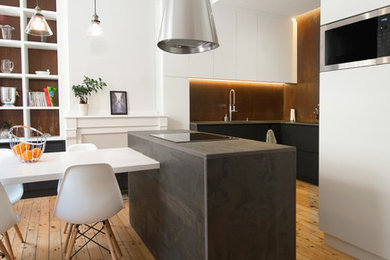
<point x="27" y="143"/>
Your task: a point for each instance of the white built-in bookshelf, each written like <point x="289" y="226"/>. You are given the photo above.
<point x="30" y="54"/>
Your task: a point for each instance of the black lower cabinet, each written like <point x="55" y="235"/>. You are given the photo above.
<point x="303" y="136"/>
<point x="249" y="131"/>
<point x="49" y="188"/>
<point x="307" y="167"/>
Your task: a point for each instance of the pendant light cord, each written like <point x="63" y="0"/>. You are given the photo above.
<point x="94" y="6"/>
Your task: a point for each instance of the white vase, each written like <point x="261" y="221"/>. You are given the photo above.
<point x="83" y="109"/>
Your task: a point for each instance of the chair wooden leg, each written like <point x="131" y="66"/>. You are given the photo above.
<point x="66" y="227"/>
<point x="68" y="237"/>
<point x="113" y="238"/>
<point x="71" y="242"/>
<point x="8" y="243"/>
<point x="109" y="242"/>
<point x="16" y="227"/>
<point x="4" y="251"/>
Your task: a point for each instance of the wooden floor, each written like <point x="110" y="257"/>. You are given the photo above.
<point x="45" y="239"/>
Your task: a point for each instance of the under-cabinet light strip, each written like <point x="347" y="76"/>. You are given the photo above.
<point x="242" y="81"/>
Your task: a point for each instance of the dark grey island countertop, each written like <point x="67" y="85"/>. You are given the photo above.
<point x="226" y="199"/>
<point x="214" y="149"/>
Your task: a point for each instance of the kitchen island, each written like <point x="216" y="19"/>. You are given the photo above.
<point x="225" y="199"/>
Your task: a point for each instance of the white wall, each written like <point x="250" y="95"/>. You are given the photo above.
<point x="354" y="159"/>
<point x="125" y="57"/>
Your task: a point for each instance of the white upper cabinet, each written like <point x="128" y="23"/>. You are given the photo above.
<point x="274" y="57"/>
<point x="225" y="54"/>
<point x="247" y="46"/>
<point x="201" y="65"/>
<point x="254" y="46"/>
<point x="175" y="65"/>
<point x="333" y="10"/>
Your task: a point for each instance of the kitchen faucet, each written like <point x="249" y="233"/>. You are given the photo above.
<point x="232" y="104"/>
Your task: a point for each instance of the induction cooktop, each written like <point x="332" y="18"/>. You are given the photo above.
<point x="192" y="137"/>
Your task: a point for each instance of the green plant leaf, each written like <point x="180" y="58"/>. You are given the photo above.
<point x="88" y="86"/>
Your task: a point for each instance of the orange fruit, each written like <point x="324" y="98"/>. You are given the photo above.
<point x="27" y="156"/>
<point x="36" y="152"/>
<point x="17" y="149"/>
<point x="20" y="148"/>
<point x="25" y="146"/>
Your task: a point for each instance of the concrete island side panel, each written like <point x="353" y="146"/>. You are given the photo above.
<point x="214" y="200"/>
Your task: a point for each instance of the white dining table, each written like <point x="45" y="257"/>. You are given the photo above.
<point x="52" y="166"/>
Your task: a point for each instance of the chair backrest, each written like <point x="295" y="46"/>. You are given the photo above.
<point x="88" y="194"/>
<point x="81" y="147"/>
<point x="7" y="214"/>
<point x="5" y="151"/>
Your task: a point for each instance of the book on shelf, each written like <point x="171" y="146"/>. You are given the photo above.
<point x="40" y="99"/>
<point x="47" y="97"/>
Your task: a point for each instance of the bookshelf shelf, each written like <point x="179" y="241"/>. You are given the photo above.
<point x="10" y="43"/>
<point x="10" y="10"/>
<point x="11" y="75"/>
<point x="49" y="15"/>
<point x="43" y="108"/>
<point x="46" y="77"/>
<point x="41" y="45"/>
<point x="11" y="108"/>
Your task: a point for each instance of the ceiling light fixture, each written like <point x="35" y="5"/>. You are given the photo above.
<point x="188" y="27"/>
<point x="38" y="25"/>
<point x="95" y="29"/>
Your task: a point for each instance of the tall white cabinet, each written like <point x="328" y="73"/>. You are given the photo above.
<point x="247" y="46"/>
<point x="354" y="175"/>
<point x="225" y="54"/>
<point x="333" y="10"/>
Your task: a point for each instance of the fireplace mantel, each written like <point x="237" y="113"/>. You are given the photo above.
<point x="109" y="131"/>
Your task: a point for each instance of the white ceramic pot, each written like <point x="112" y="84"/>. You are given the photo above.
<point x="83" y="109"/>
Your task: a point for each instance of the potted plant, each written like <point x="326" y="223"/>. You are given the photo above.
<point x="84" y="90"/>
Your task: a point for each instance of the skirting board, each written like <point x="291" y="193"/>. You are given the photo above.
<point x="350" y="249"/>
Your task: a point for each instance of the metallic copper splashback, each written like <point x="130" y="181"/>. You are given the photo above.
<point x="209" y="100"/>
<point x="304" y="96"/>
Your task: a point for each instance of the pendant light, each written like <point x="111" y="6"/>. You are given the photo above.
<point x="38" y="25"/>
<point x="188" y="27"/>
<point x="95" y="29"/>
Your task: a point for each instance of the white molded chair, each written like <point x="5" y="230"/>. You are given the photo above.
<point x="81" y="147"/>
<point x="75" y="148"/>
<point x="89" y="194"/>
<point x="7" y="220"/>
<point x="14" y="192"/>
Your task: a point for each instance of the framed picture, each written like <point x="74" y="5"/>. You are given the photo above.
<point x="118" y="100"/>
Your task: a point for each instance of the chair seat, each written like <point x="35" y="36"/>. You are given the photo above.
<point x="14" y="192"/>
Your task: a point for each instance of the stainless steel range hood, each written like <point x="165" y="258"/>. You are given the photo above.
<point x="188" y="27"/>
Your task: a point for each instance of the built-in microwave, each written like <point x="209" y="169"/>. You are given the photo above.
<point x="361" y="40"/>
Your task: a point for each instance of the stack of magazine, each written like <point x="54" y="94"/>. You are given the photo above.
<point x="42" y="99"/>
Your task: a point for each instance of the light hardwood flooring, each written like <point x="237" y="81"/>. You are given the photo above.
<point x="45" y="239"/>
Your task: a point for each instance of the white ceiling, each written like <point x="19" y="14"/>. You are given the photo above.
<point x="284" y="7"/>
